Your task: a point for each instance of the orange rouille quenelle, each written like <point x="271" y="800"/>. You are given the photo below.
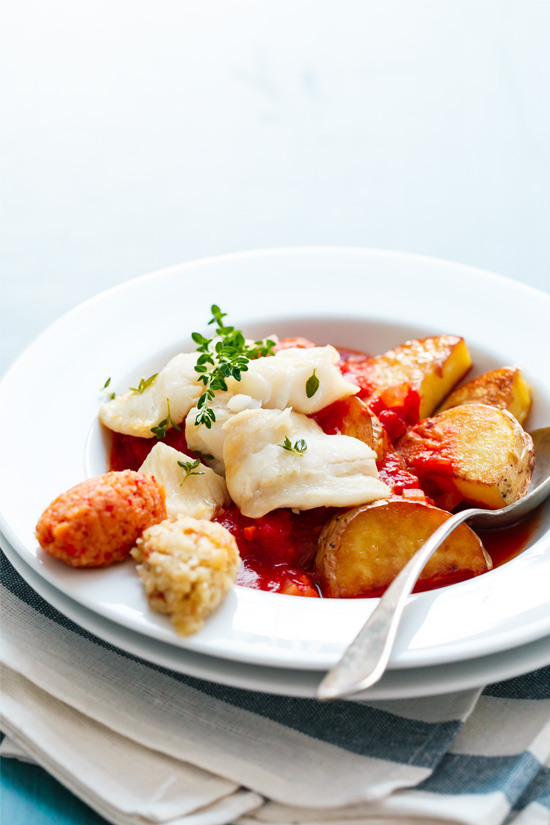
<point x="98" y="521"/>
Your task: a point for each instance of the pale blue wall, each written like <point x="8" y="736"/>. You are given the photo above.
<point x="140" y="134"/>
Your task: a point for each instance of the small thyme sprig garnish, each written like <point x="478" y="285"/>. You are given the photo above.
<point x="189" y="468"/>
<point x="104" y="389"/>
<point x="299" y="447"/>
<point x="312" y="385"/>
<point x="144" y="383"/>
<point x="162" y="426"/>
<point x="228" y="358"/>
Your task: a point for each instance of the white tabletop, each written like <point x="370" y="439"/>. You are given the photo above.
<point x="138" y="135"/>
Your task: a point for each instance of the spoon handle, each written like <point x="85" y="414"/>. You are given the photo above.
<point x="365" y="660"/>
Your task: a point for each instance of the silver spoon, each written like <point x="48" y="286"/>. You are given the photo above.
<point x="366" y="658"/>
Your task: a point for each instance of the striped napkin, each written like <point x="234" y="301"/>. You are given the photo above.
<point x="141" y="744"/>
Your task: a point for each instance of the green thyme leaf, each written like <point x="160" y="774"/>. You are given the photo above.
<point x="299" y="447"/>
<point x="312" y="385"/>
<point x="189" y="468"/>
<point x="206" y="456"/>
<point x="165" y="424"/>
<point x="104" y="389"/>
<point x="144" y="383"/>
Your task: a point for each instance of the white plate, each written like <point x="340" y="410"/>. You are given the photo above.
<point x="411" y="683"/>
<point x="364" y="299"/>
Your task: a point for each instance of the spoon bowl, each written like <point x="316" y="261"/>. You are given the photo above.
<point x="367" y="657"/>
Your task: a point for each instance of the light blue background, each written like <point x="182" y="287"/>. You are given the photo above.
<point x="136" y="135"/>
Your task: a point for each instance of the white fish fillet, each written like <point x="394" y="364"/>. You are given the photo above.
<point x="198" y="496"/>
<point x="280" y="381"/>
<point x="135" y="413"/>
<point x="334" y="471"/>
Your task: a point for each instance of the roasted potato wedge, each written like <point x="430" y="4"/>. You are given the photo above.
<point x="480" y="454"/>
<point x="430" y="366"/>
<point x="504" y="388"/>
<point x="361" y="551"/>
<point x="352" y="417"/>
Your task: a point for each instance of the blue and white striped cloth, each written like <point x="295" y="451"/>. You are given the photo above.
<point x="141" y="744"/>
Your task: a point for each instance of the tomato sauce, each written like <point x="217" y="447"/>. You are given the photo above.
<point x="331" y="418"/>
<point x="392" y="473"/>
<point x="354" y="367"/>
<point x="128" y="452"/>
<point x="505" y="544"/>
<point x="276" y="578"/>
<point x="397" y="408"/>
<point x="277" y="549"/>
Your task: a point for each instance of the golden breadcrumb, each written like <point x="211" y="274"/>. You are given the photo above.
<point x="187" y="567"/>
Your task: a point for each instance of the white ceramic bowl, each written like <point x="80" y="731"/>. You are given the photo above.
<point x="363" y="299"/>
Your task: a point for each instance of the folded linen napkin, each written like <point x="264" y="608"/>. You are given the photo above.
<point x="141" y="744"/>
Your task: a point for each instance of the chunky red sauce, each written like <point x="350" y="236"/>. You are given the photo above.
<point x="397" y="408"/>
<point x="392" y="473"/>
<point x="278" y="550"/>
<point x="128" y="452"/>
<point x="331" y="418"/>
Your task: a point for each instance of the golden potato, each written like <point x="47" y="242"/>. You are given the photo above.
<point x="430" y="366"/>
<point x="356" y="420"/>
<point x="479" y="454"/>
<point x="504" y="388"/>
<point x="363" y="549"/>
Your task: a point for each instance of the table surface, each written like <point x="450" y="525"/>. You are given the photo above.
<point x="141" y="135"/>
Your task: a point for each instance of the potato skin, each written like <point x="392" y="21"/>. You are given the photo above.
<point x="504" y="388"/>
<point x="479" y="453"/>
<point x="362" y="550"/>
<point x="98" y="522"/>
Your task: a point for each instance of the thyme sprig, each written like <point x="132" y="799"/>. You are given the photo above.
<point x="299" y="447"/>
<point x="227" y="357"/>
<point x="144" y="383"/>
<point x="162" y="426"/>
<point x="189" y="468"/>
<point x="105" y="390"/>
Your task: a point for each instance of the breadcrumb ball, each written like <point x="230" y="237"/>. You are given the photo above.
<point x="98" y="522"/>
<point x="187" y="567"/>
